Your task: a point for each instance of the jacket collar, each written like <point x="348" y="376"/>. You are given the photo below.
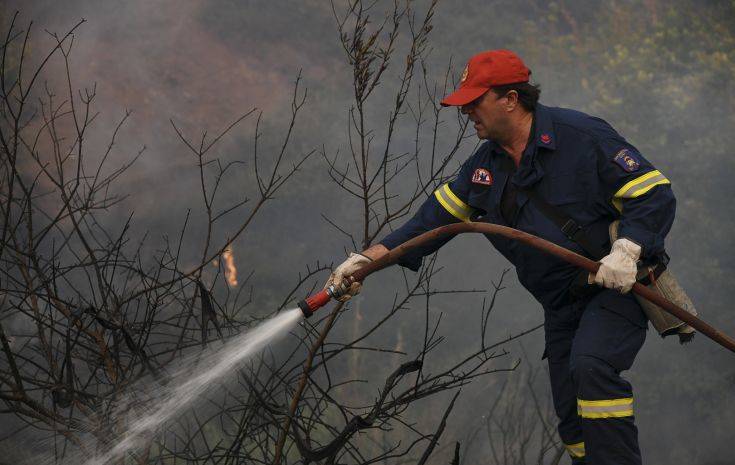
<point x="544" y="134"/>
<point x="530" y="170"/>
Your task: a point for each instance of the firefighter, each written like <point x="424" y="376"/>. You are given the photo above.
<point x="564" y="176"/>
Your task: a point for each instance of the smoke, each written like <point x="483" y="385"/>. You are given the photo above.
<point x="202" y="64"/>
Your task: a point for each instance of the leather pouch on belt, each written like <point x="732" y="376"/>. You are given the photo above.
<point x="663" y="282"/>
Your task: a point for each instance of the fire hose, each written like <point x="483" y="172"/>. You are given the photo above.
<point x="311" y="304"/>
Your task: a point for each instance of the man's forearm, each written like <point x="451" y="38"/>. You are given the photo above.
<point x="375" y="251"/>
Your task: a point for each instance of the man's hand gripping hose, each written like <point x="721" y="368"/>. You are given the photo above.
<point x="341" y="288"/>
<point x="314" y="302"/>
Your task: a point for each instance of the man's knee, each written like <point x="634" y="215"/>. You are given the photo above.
<point x="601" y="391"/>
<point x="590" y="373"/>
<point x="586" y="366"/>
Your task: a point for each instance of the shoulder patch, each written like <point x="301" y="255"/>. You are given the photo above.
<point x="482" y="176"/>
<point x="627" y="160"/>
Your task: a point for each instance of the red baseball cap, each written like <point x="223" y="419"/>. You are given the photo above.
<point x="486" y="70"/>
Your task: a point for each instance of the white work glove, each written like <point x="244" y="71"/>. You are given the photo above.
<point x="353" y="263"/>
<point x="618" y="270"/>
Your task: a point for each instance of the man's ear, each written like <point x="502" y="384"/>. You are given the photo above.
<point x="511" y="100"/>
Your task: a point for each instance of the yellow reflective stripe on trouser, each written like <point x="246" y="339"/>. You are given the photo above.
<point x="452" y="203"/>
<point x="638" y="187"/>
<point x="612" y="408"/>
<point x="575" y="450"/>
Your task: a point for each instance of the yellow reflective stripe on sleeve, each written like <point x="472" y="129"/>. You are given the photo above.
<point x="638" y="187"/>
<point x="641" y="185"/>
<point x="456" y="207"/>
<point x="612" y="408"/>
<point x="575" y="450"/>
<point x="454" y="198"/>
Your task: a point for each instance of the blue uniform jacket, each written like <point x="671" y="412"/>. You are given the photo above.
<point x="575" y="162"/>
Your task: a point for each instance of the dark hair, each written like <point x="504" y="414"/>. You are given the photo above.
<point x="528" y="94"/>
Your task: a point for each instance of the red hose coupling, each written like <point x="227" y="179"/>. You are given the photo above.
<point x="315" y="302"/>
<point x="321" y="298"/>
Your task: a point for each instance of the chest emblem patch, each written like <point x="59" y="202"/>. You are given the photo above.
<point x="482" y="176"/>
<point x="545" y="138"/>
<point x="627" y="160"/>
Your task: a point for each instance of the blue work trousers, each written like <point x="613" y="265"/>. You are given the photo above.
<point x="588" y="344"/>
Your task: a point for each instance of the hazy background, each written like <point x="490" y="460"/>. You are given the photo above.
<point x="661" y="72"/>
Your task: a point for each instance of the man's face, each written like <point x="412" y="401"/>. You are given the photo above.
<point x="489" y="113"/>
